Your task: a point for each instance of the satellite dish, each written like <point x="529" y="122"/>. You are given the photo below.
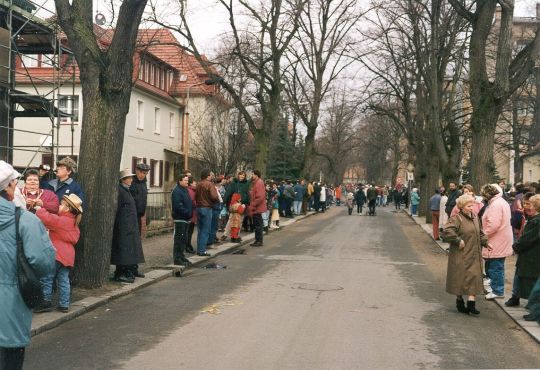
<point x="100" y="19"/>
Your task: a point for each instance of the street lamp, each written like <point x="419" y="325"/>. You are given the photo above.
<point x="211" y="81"/>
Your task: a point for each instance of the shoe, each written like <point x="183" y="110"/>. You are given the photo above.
<point x="204" y="254"/>
<point x="189" y="249"/>
<point x="45" y="306"/>
<point x="257" y="244"/>
<point x="491" y="296"/>
<point x="460" y="305"/>
<point x="529" y="317"/>
<point x="471" y="307"/>
<point x="124" y="279"/>
<point x="138" y="274"/>
<point x="223" y="238"/>
<point x="236" y="240"/>
<point x="62" y="309"/>
<point x="512" y="302"/>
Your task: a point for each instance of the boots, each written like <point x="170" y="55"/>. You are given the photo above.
<point x="512" y="302"/>
<point x="460" y="305"/>
<point x="471" y="307"/>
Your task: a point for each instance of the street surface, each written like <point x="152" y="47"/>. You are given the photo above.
<point x="330" y="292"/>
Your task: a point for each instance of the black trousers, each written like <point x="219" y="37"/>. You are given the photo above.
<point x="316" y="203"/>
<point x="11" y="358"/>
<point x="359" y="207"/>
<point x="288" y="207"/>
<point x="180" y="240"/>
<point x="371" y="205"/>
<point x="258" y="224"/>
<point x="191" y="228"/>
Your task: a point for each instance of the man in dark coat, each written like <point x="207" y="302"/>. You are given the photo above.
<point x="317" y="196"/>
<point x="360" y="198"/>
<point x="127" y="250"/>
<point x="371" y="195"/>
<point x="139" y="191"/>
<point x="288" y="193"/>
<point x="182" y="210"/>
<point x="453" y="194"/>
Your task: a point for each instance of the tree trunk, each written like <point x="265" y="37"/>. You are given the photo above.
<point x="262" y="143"/>
<point x="309" y="150"/>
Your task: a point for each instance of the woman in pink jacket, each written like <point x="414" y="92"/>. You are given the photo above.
<point x="64" y="233"/>
<point x="496" y="225"/>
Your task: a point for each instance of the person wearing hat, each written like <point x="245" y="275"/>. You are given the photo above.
<point x="64" y="184"/>
<point x="64" y="233"/>
<point x="44" y="172"/>
<point x="15" y="317"/>
<point x="139" y="191"/>
<point x="127" y="250"/>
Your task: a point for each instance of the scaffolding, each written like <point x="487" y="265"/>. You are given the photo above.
<point x="30" y="37"/>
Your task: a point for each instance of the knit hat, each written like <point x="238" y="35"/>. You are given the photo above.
<point x="7" y="173"/>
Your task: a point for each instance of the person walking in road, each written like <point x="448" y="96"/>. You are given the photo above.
<point x="350" y="202"/>
<point x="360" y="198"/>
<point x="182" y="210"/>
<point x="15" y="316"/>
<point x="466" y="238"/>
<point x="127" y="251"/>
<point x="496" y="225"/>
<point x="434" y="204"/>
<point x="257" y="206"/>
<point x="139" y="191"/>
<point x="371" y="196"/>
<point x="206" y="197"/>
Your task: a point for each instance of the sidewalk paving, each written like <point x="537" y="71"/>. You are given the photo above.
<point x="516" y="313"/>
<point x="158" y="255"/>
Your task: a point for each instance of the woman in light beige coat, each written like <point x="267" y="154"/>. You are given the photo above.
<point x="466" y="238"/>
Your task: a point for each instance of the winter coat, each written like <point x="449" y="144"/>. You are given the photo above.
<point x="338" y="192"/>
<point x="496" y="226"/>
<point x="360" y="197"/>
<point x="288" y="192"/>
<point x="64" y="234"/>
<point x="415" y="198"/>
<point x="350" y="200"/>
<point x="299" y="191"/>
<point x="257" y="198"/>
<point x="322" y="197"/>
<point x="15" y="317"/>
<point x="240" y="187"/>
<point x="435" y="202"/>
<point x="237" y="210"/>
<point x="451" y="202"/>
<point x="139" y="191"/>
<point x="371" y="194"/>
<point x="182" y="206"/>
<point x="126" y="244"/>
<point x="464" y="273"/>
<point x="70" y="186"/>
<point x="50" y="201"/>
<point x="528" y="250"/>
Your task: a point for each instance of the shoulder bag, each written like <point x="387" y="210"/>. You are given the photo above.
<point x="29" y="284"/>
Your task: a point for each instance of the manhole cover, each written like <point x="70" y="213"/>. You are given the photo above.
<point x="317" y="287"/>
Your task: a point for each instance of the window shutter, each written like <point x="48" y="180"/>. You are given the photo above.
<point x="167" y="171"/>
<point x="133" y="164"/>
<point x="144" y="160"/>
<point x="160" y="173"/>
<point x="152" y="172"/>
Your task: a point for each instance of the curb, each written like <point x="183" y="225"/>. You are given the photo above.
<point x="47" y="321"/>
<point x="515" y="313"/>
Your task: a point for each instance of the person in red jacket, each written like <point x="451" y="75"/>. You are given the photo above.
<point x="64" y="233"/>
<point x="35" y="196"/>
<point x="257" y="206"/>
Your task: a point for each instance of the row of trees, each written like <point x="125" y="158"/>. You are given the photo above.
<point x="320" y="84"/>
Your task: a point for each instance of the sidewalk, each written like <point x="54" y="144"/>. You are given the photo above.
<point x="516" y="313"/>
<point x="158" y="255"/>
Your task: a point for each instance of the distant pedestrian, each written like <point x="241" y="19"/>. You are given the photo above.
<point x="464" y="272"/>
<point x="127" y="251"/>
<point x="360" y="198"/>
<point x="15" y="316"/>
<point x="371" y="196"/>
<point x="453" y="193"/>
<point x="299" y="191"/>
<point x="434" y="205"/>
<point x="350" y="202"/>
<point x="182" y="211"/>
<point x="206" y="197"/>
<point x="257" y="206"/>
<point x="139" y="191"/>
<point x="415" y="201"/>
<point x="192" y="185"/>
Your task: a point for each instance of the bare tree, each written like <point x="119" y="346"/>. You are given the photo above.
<point x="490" y="88"/>
<point x="106" y="78"/>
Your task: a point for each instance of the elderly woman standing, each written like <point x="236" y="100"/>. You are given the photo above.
<point x="464" y="274"/>
<point x="497" y="227"/>
<point x="127" y="250"/>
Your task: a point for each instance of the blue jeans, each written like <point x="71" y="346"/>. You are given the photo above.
<point x="61" y="274"/>
<point x="495" y="271"/>
<point x="297" y="205"/>
<point x="414" y="208"/>
<point x="204" y="223"/>
<point x="515" y="283"/>
<point x="534" y="300"/>
<point x="214" y="225"/>
<point x="265" y="217"/>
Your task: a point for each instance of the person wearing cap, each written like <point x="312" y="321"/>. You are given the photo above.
<point x="64" y="233"/>
<point x="15" y="317"/>
<point x="64" y="184"/>
<point x="139" y="191"/>
<point x="127" y="250"/>
<point x="44" y="175"/>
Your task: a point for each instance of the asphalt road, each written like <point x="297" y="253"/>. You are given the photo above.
<point x="331" y="292"/>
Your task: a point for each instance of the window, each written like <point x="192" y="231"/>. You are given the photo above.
<point x="140" y="115"/>
<point x="155" y="172"/>
<point x="157" y="123"/>
<point x="29" y="61"/>
<point x="69" y="106"/>
<point x="172" y="126"/>
<point x="141" y="69"/>
<point x="146" y="72"/>
<point x="48" y="60"/>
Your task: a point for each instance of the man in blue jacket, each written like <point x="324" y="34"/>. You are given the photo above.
<point x="182" y="210"/>
<point x="15" y="317"/>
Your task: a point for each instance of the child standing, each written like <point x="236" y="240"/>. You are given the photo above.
<point x="236" y="209"/>
<point x="64" y="233"/>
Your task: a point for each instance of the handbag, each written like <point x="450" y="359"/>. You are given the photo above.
<point x="29" y="285"/>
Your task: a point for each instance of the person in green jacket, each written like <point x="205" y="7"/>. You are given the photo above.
<point x="415" y="201"/>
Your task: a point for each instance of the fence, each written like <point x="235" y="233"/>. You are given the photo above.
<point x="158" y="212"/>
